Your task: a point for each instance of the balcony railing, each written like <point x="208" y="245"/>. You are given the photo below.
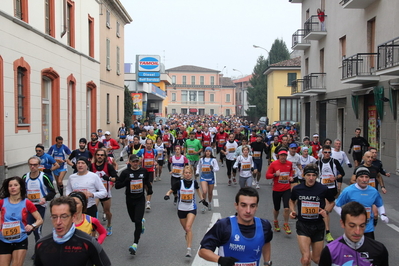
<point x="388" y="54"/>
<point x="359" y="4"/>
<point x="313" y="24"/>
<point x="193" y="102"/>
<point x="297" y="86"/>
<point x="314" y="82"/>
<point x="362" y="64"/>
<point x="298" y="42"/>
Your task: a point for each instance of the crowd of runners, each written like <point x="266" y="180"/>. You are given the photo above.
<point x="306" y="179"/>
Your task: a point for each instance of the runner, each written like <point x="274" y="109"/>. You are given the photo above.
<point x="176" y="165"/>
<point x="81" y="152"/>
<point x="241" y="230"/>
<point x="305" y="159"/>
<point x="206" y="168"/>
<point x="244" y="143"/>
<point x="331" y="173"/>
<point x="258" y="148"/>
<point x="187" y="207"/>
<point x="313" y="203"/>
<point x="359" y="145"/>
<point x="353" y="247"/>
<point x="168" y="140"/>
<point x="245" y="164"/>
<point x="221" y="138"/>
<point x="159" y="146"/>
<point x="295" y="159"/>
<point x="316" y="146"/>
<point x="306" y="143"/>
<point x="94" y="144"/>
<point x="281" y="172"/>
<point x="229" y="150"/>
<point x="110" y="144"/>
<point x="135" y="179"/>
<point x="101" y="137"/>
<point x="122" y="132"/>
<point x="47" y="162"/>
<point x="192" y="150"/>
<point x="274" y="145"/>
<point x="368" y="196"/>
<point x="60" y="152"/>
<point x="206" y="138"/>
<point x="378" y="164"/>
<point x="339" y="154"/>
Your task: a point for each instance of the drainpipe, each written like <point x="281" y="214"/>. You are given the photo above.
<point x="65" y="18"/>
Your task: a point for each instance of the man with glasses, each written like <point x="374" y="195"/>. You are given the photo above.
<point x="47" y="162"/>
<point x="331" y="172"/>
<point x="39" y="190"/>
<point x="66" y="245"/>
<point x="87" y="182"/>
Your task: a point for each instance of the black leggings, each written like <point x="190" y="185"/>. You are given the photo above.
<point x="284" y="195"/>
<point x="229" y="165"/>
<point x="136" y="208"/>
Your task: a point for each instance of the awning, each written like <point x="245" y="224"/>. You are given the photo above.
<point x="193" y="110"/>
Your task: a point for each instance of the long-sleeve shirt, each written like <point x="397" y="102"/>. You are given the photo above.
<point x="135" y="182"/>
<point x="214" y="164"/>
<point x="281" y="182"/>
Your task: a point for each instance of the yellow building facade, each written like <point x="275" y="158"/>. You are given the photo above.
<point x="281" y="105"/>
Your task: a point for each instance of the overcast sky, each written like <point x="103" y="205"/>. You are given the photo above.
<point x="208" y="33"/>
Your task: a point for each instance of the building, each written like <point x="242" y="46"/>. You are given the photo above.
<point x="113" y="18"/>
<point x="242" y="85"/>
<point x="350" y="67"/>
<point x="280" y="104"/>
<point x="198" y="90"/>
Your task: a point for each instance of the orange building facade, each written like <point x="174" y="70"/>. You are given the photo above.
<point x="202" y="91"/>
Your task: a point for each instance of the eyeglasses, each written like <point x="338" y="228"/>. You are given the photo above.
<point x="102" y="155"/>
<point x="326" y="151"/>
<point x="63" y="217"/>
<point x="39" y="150"/>
<point x="33" y="164"/>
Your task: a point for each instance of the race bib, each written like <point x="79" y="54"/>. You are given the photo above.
<point x="207" y="142"/>
<point x="310" y="209"/>
<point x="206" y="169"/>
<point x="284" y="178"/>
<point x="166" y="143"/>
<point x="34" y="195"/>
<point x="325" y="180"/>
<point x="105" y="183"/>
<point x="191" y="151"/>
<point x="41" y="167"/>
<point x="372" y="182"/>
<point x="246" y="166"/>
<point x="177" y="170"/>
<point x="187" y="198"/>
<point x="257" y="154"/>
<point x="136" y="185"/>
<point x="58" y="158"/>
<point x="357" y="148"/>
<point x="11" y="230"/>
<point x="222" y="141"/>
<point x="231" y="150"/>
<point x="368" y="211"/>
<point x="148" y="162"/>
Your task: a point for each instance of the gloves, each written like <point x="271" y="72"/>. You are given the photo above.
<point x="384" y="218"/>
<point x="105" y="177"/>
<point x="349" y="165"/>
<point x="375" y="222"/>
<point x="349" y="151"/>
<point x="227" y="261"/>
<point x="204" y="202"/>
<point x="121" y="159"/>
<point x="166" y="197"/>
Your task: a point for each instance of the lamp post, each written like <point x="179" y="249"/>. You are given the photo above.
<point x="242" y="92"/>
<point x="260" y="47"/>
<point x="221" y="91"/>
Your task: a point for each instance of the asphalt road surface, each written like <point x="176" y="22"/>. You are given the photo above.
<point x="163" y="242"/>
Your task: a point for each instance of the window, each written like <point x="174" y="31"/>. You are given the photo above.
<point x="290" y="78"/>
<point x="289" y="109"/>
<point x="227" y="97"/>
<point x="117" y="109"/>
<point x="91" y="107"/>
<point x="202" y="80"/>
<point x="192" y="80"/>
<point x="71" y="81"/>
<point x="342" y="42"/>
<point x="173" y="97"/>
<point x="193" y="96"/>
<point x="184" y="96"/>
<point x="184" y="111"/>
<point x="212" y="112"/>
<point x="46" y="112"/>
<point x="201" y="111"/>
<point x="49" y="18"/>
<point x="118" y="63"/>
<point x="71" y="23"/>
<point x="184" y="80"/>
<point x="212" y="97"/>
<point x="22" y="94"/>
<point x="118" y="29"/>
<point x="322" y="60"/>
<point x="91" y="36"/>
<point x="227" y="112"/>
<point x="50" y="104"/>
<point x="201" y="97"/>
<point x="108" y="19"/>
<point x="108" y="121"/>
<point x="173" y="79"/>
<point x="108" y="54"/>
<point x="173" y="111"/>
<point x="21" y="10"/>
<point x="212" y="80"/>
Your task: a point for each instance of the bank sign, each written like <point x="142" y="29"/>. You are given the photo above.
<point x="149" y="63"/>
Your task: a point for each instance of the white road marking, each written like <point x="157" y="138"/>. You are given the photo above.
<point x="215" y="192"/>
<point x="215" y="202"/>
<point x="394" y="227"/>
<point x="198" y="261"/>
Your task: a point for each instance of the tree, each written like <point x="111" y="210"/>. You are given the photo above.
<point x="257" y="92"/>
<point x="128" y="108"/>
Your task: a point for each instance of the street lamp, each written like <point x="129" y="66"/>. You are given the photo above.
<point x="242" y="91"/>
<point x="260" y="47"/>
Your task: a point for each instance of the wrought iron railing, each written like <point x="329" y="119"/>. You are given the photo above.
<point x="388" y="54"/>
<point x="297" y="86"/>
<point x="315" y="24"/>
<point x="314" y="81"/>
<point x="362" y="64"/>
<point x="297" y="37"/>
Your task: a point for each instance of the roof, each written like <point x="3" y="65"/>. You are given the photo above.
<point x="191" y="68"/>
<point x="294" y="62"/>
<point x="227" y="82"/>
<point x="243" y="79"/>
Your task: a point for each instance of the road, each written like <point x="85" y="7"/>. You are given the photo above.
<point x="163" y="242"/>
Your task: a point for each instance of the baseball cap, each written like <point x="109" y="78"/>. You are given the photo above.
<point x="83" y="140"/>
<point x="134" y="157"/>
<point x="293" y="145"/>
<point x="362" y="171"/>
<point x="107" y="133"/>
<point x="283" y="151"/>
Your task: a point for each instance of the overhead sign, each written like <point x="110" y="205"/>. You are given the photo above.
<point x="149" y="74"/>
<point x="149" y="63"/>
<point x="149" y="80"/>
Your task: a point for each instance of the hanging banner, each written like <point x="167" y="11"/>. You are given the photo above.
<point x="137" y="103"/>
<point x="372" y="126"/>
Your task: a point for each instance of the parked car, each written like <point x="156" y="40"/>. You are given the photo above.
<point x="285" y="123"/>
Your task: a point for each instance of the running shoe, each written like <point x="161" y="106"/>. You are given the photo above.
<point x="142" y="226"/>
<point x="253" y="182"/>
<point x="133" y="249"/>
<point x="287" y="229"/>
<point x="229" y="182"/>
<point x="159" y="178"/>
<point x="155" y="179"/>
<point x="276" y="226"/>
<point x="148" y="206"/>
<point x="257" y="186"/>
<point x="329" y="238"/>
<point x="234" y="181"/>
<point x="104" y="217"/>
<point x="109" y="230"/>
<point x="203" y="209"/>
<point x="209" y="206"/>
<point x="175" y="201"/>
<point x="188" y="253"/>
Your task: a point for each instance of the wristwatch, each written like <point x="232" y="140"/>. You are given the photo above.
<point x="34" y="226"/>
<point x="268" y="263"/>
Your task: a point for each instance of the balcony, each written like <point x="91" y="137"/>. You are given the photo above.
<point x="298" y="43"/>
<point x="314" y="83"/>
<point x="388" y="58"/>
<point x="297" y="88"/>
<point x="296" y="1"/>
<point x="358" y="4"/>
<point x="360" y="69"/>
<point x="314" y="28"/>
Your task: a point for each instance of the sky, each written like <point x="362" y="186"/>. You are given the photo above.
<point x="209" y="33"/>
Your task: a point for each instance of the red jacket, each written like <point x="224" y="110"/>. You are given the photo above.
<point x="280" y="183"/>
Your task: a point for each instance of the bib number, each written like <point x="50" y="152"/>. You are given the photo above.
<point x="284" y="178"/>
<point x="187" y="198"/>
<point x="136" y="186"/>
<point x="11" y="230"/>
<point x="310" y="209"/>
<point x="34" y="195"/>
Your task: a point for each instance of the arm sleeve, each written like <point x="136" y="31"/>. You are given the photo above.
<point x="237" y="161"/>
<point x="270" y="172"/>
<point x="199" y="165"/>
<point x="325" y="257"/>
<point x="215" y="165"/>
<point x="120" y="181"/>
<point x="100" y="229"/>
<point x="111" y="170"/>
<point x="50" y="188"/>
<point x="345" y="158"/>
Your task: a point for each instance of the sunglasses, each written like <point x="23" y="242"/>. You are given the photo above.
<point x="38" y="150"/>
<point x="326" y="151"/>
<point x="102" y="155"/>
